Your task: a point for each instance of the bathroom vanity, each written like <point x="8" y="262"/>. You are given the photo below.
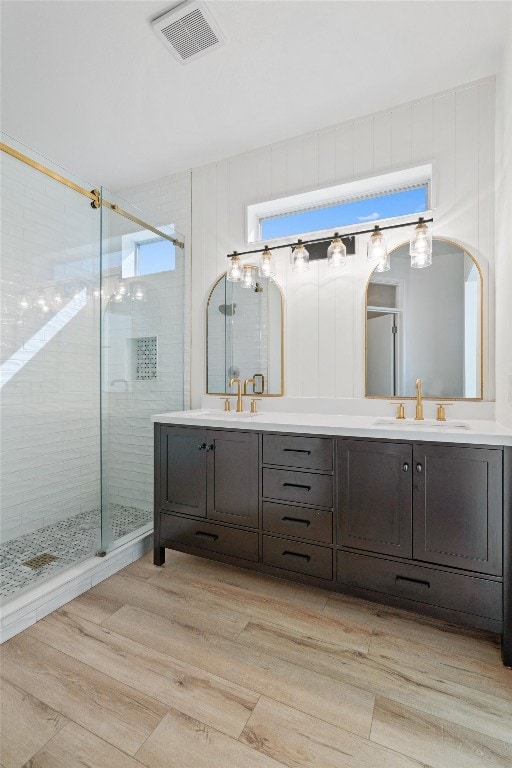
<point x="419" y="519"/>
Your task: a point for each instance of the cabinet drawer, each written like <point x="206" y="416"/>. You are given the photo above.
<point x="315" y="524"/>
<point x="294" y="556"/>
<point x="468" y="594"/>
<point x="203" y="535"/>
<point x="297" y="451"/>
<point x="301" y="487"/>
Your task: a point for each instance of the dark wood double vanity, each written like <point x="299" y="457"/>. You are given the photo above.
<point x="421" y="525"/>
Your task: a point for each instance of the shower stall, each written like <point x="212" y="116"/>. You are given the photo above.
<point x="92" y="343"/>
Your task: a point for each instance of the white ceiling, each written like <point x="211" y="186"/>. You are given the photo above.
<point x="87" y="82"/>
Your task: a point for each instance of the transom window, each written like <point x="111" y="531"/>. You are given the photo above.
<point x="152" y="256"/>
<point x="354" y="204"/>
<point x="145" y="254"/>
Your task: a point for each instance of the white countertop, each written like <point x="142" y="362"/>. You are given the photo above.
<point x="477" y="432"/>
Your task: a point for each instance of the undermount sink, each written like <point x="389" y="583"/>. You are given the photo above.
<point x="219" y="414"/>
<point x="425" y="424"/>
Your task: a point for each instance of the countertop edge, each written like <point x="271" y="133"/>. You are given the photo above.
<point x="307" y="423"/>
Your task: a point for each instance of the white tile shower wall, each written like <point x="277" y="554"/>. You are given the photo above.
<point x="50" y="367"/>
<point x="128" y="432"/>
<point x="504" y="237"/>
<point x="168" y="201"/>
<point x="324" y="323"/>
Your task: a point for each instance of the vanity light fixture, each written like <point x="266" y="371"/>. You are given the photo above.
<point x="300" y="258"/>
<point x="234" y="273"/>
<point x="421" y="246"/>
<point x="377" y="250"/>
<point x="337" y="252"/>
<point x="267" y="263"/>
<point x="248" y="279"/>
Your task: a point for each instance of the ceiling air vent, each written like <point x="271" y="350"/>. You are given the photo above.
<point x="188" y="31"/>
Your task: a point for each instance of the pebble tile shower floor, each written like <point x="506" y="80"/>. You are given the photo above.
<point x="68" y="541"/>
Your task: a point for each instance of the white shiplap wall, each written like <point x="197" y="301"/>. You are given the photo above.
<point x="325" y="316"/>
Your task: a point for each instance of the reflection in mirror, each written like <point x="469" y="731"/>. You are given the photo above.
<point x="245" y="337"/>
<point x="427" y="324"/>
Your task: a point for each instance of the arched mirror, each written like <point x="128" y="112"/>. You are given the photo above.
<point x="427" y="324"/>
<point x="245" y="337"/>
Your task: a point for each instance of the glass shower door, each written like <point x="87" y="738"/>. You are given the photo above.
<point x="50" y="306"/>
<point x="142" y="361"/>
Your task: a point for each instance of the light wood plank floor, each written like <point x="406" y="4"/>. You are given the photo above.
<point x="199" y="665"/>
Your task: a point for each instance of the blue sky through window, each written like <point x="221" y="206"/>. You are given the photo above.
<point x="155" y="256"/>
<point x="367" y="210"/>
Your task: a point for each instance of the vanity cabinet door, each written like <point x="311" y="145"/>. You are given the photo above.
<point x="457" y="494"/>
<point x="375" y="500"/>
<point x="181" y="475"/>
<point x="232" y="487"/>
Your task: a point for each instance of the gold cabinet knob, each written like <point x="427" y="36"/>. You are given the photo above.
<point x="441" y="414"/>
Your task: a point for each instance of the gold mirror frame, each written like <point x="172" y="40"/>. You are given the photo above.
<point x="281" y="295"/>
<point x="429" y="397"/>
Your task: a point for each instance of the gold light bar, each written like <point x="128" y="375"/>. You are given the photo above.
<point x="93" y="195"/>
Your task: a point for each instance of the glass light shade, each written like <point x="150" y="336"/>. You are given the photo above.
<point x="267" y="263"/>
<point x="421" y="246"/>
<point x="300" y="258"/>
<point x="248" y="279"/>
<point x="383" y="264"/>
<point x="336" y="253"/>
<point x="234" y="273"/>
<point x="377" y="249"/>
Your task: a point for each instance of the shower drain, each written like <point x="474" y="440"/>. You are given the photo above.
<point x="39" y="561"/>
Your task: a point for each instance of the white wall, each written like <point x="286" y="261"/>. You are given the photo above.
<point x="324" y="326"/>
<point x="504" y="237"/>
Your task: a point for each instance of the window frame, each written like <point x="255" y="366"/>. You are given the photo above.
<point x="130" y="244"/>
<point x="359" y="189"/>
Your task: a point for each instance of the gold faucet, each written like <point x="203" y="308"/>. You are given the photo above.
<point x="239" y="404"/>
<point x="441" y="413"/>
<point x="419" y="402"/>
<point x="400" y="410"/>
<point x="249" y="381"/>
